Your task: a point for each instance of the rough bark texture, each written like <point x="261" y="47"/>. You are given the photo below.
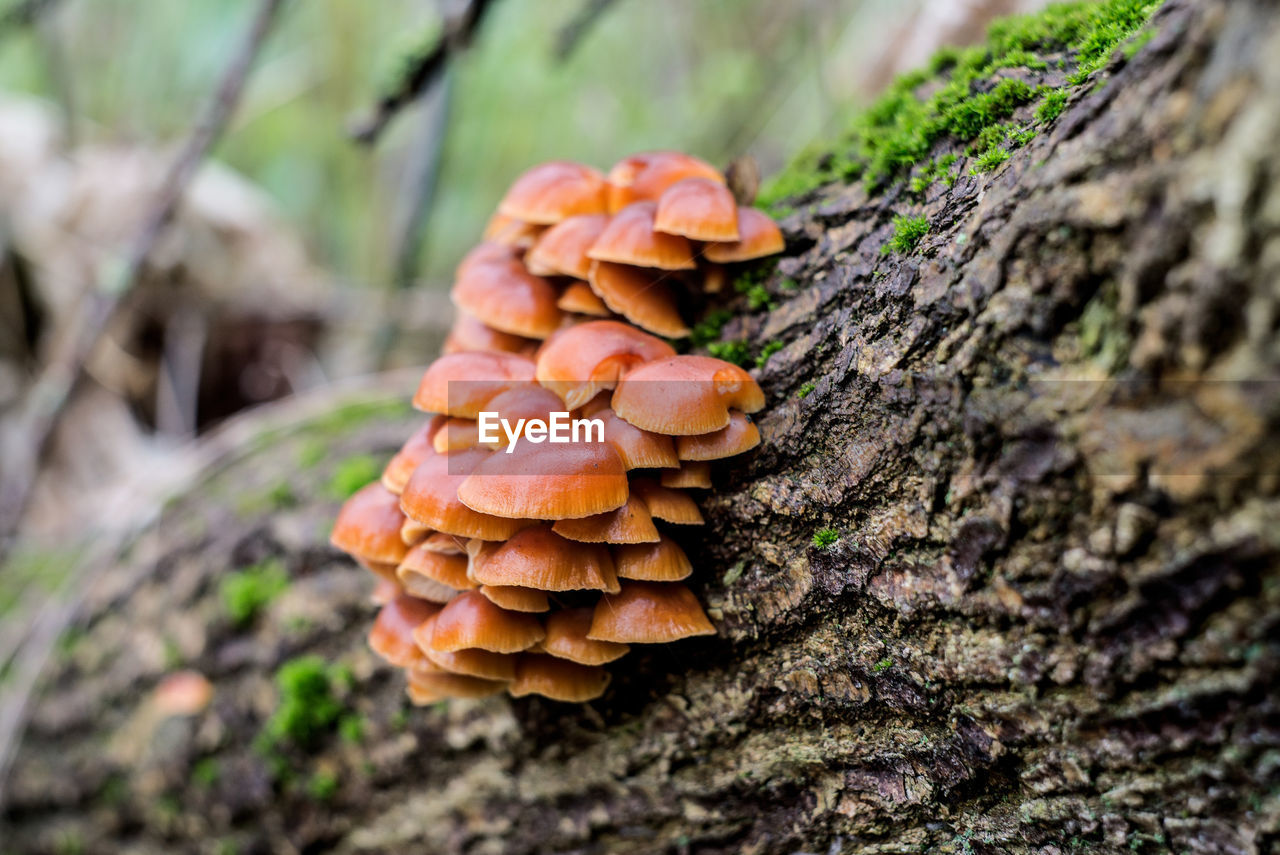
<point x="1048" y="624"/>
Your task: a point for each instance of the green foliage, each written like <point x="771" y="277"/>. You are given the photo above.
<point x="768" y="350"/>
<point x="882" y="665"/>
<point x="206" y="772"/>
<point x="351" y="728"/>
<point x="758" y="298"/>
<point x="805" y="391"/>
<point x="824" y="538"/>
<point x="907" y="234"/>
<point x="734" y="573"/>
<point x="901" y="129"/>
<point x="308" y="706"/>
<point x="989" y="160"/>
<point x="352" y="474"/>
<point x="737" y="352"/>
<point x="245" y="592"/>
<point x="1052" y="105"/>
<point x="322" y="786"/>
<point x="708" y="329"/>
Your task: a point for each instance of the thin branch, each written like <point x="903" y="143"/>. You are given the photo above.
<point x="49" y="395"/>
<point x="423" y="73"/>
<point x="571" y="34"/>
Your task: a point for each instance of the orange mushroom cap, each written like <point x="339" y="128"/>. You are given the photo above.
<point x="579" y="361"/>
<point x="469" y="334"/>
<point x="640" y="296"/>
<point x="649" y="613"/>
<point x="462" y="384"/>
<point x="484" y="253"/>
<point x="630" y="239"/>
<point x="384" y="591"/>
<point x="554" y="191"/>
<point x="685" y="395"/>
<point x="646" y="176"/>
<point x="368" y="526"/>
<point x="691" y="474"/>
<point x="663" y="561"/>
<point x="558" y="679"/>
<point x="471" y="620"/>
<point x="471" y="663"/>
<point x="431" y="686"/>
<point x="507" y="297"/>
<point x="392" y="633"/>
<point x="699" y="209"/>
<point x="381" y="570"/>
<point x="639" y="449"/>
<point x="516" y="598"/>
<point x="580" y="299"/>
<point x="539" y="558"/>
<point x="741" y="434"/>
<point x="447" y="544"/>
<point x="509" y="232"/>
<point x="432" y="575"/>
<point x="567" y="639"/>
<point x="456" y="435"/>
<point x="413" y="532"/>
<point x="630" y="523"/>
<point x="413" y="452"/>
<point x="547" y="482"/>
<point x="431" y="498"/>
<point x="562" y="249"/>
<point x="666" y="504"/>
<point x="758" y="236"/>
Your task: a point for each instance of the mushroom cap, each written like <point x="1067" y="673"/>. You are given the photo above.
<point x="449" y="570"/>
<point x="516" y="598"/>
<point x="547" y="482"/>
<point x="379" y="569"/>
<point x="567" y="639"/>
<point x="691" y="474"/>
<point x="738" y="436"/>
<point x="456" y="435"/>
<point x="470" y="334"/>
<point x="471" y="663"/>
<point x="699" y="209"/>
<point x="414" y="451"/>
<point x="507" y="297"/>
<point x="663" y="561"/>
<point x="630" y="239"/>
<point x="431" y="498"/>
<point x="539" y="558"/>
<point x="640" y="296"/>
<point x="392" y="633"/>
<point x="558" y="679"/>
<point x="413" y="532"/>
<point x="648" y="175"/>
<point x="649" y="613"/>
<point x="368" y="526"/>
<point x="580" y="299"/>
<point x="758" y="236"/>
<point x="483" y="253"/>
<point x="562" y="249"/>
<point x="666" y="504"/>
<point x="510" y="232"/>
<point x="447" y="544"/>
<point x="471" y="620"/>
<point x="630" y="523"/>
<point x="462" y="384"/>
<point x="579" y="361"/>
<point x="685" y="395"/>
<point x="639" y="449"/>
<point x="554" y="191"/>
<point x="384" y="591"/>
<point x="430" y="686"/>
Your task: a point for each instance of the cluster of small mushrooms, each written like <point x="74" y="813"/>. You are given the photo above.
<point x="526" y="565"/>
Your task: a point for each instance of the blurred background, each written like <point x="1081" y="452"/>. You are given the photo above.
<point x="314" y="239"/>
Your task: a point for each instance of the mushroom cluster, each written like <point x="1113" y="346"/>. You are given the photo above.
<point x="512" y="552"/>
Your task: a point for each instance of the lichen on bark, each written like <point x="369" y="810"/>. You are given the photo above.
<point x="1044" y="440"/>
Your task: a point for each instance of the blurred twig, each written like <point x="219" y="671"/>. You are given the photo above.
<point x="571" y="34"/>
<point x="422" y="73"/>
<point x="76" y="340"/>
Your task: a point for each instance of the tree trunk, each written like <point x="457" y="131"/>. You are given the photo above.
<point x="1046" y="440"/>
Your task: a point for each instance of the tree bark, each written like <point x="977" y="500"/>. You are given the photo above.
<point x="1047" y="440"/>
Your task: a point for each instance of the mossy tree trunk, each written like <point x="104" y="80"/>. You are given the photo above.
<point x="1046" y="440"/>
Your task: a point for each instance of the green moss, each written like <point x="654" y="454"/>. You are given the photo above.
<point x="768" y="350"/>
<point x="989" y="160"/>
<point x="312" y="452"/>
<point x="758" y="298"/>
<point x="737" y="352"/>
<point x="351" y="728"/>
<point x="1052" y="105"/>
<point x="882" y="665"/>
<point x="974" y="89"/>
<point x="308" y="707"/>
<point x="352" y="474"/>
<point x="734" y="573"/>
<point x="206" y="772"/>
<point x="1137" y="43"/>
<point x="907" y="234"/>
<point x="708" y="329"/>
<point x="246" y="592"/>
<point x="322" y="786"/>
<point x="805" y="391"/>
<point x="823" y="538"/>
